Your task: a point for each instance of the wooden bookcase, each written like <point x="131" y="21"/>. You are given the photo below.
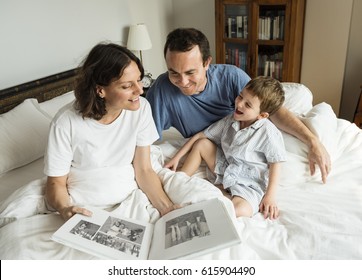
<point x="263" y="37"/>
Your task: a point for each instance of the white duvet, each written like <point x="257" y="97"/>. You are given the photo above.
<point x="317" y="221"/>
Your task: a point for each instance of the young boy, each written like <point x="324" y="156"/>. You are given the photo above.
<point x="243" y="150"/>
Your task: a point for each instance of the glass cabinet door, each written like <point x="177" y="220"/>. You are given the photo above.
<point x="236" y="32"/>
<point x="236" y="21"/>
<point x="270" y="40"/>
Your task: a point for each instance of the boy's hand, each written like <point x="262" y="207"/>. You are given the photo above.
<point x="172" y="164"/>
<point x="269" y="208"/>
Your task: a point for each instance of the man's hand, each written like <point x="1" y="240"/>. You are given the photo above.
<point x="318" y="155"/>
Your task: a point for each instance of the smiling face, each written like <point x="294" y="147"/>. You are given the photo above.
<point x="123" y="93"/>
<point x="247" y="108"/>
<point x="187" y="71"/>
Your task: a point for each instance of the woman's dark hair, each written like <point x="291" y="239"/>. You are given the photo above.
<point x="184" y="39"/>
<point x="104" y="64"/>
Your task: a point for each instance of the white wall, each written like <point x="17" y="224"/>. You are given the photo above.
<point x="353" y="78"/>
<point x="43" y="37"/>
<point x="199" y="14"/>
<point x="327" y="24"/>
<point x="157" y="15"/>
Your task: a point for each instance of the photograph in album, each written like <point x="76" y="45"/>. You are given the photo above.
<point x="181" y="234"/>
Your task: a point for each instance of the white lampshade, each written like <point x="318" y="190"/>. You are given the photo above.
<point x="138" y="38"/>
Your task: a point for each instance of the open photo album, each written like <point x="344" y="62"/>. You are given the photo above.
<point x="184" y="233"/>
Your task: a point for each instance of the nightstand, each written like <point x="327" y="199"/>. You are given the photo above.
<point x="358" y="113"/>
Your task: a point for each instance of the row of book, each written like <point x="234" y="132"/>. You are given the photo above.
<point x="273" y="69"/>
<point x="236" y="27"/>
<point x="236" y="57"/>
<point x="271" y="65"/>
<point x="268" y="65"/>
<point x="271" y="28"/>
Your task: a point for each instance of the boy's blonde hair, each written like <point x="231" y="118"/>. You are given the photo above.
<point x="269" y="91"/>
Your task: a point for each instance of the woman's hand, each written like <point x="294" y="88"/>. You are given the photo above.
<point x="169" y="209"/>
<point x="68" y="212"/>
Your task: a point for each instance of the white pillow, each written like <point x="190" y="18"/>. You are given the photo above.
<point x="51" y="107"/>
<point x="23" y="135"/>
<point x="298" y="98"/>
<point x="322" y="121"/>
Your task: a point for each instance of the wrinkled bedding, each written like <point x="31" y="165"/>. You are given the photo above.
<point x="317" y="221"/>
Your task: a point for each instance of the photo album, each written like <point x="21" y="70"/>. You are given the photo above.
<point x="184" y="233"/>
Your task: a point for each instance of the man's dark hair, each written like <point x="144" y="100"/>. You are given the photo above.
<point x="184" y="39"/>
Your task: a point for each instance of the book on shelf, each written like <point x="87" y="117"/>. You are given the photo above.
<point x="184" y="233"/>
<point x="273" y="69"/>
<point x="236" y="57"/>
<point x="271" y="27"/>
<point x="232" y="29"/>
<point x="245" y="27"/>
<point x="237" y="27"/>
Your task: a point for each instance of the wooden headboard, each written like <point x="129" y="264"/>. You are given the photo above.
<point x="42" y="89"/>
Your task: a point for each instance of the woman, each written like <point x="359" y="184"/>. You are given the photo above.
<point x="99" y="146"/>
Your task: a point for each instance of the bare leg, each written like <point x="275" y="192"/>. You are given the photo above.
<point x="189" y="232"/>
<point x="202" y="149"/>
<point x="242" y="207"/>
<point x="173" y="234"/>
<point x="198" y="221"/>
<point x="178" y="232"/>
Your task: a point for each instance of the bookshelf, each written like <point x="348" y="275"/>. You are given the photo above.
<point x="262" y="37"/>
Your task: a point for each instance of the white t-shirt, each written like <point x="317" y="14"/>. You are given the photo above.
<point x="97" y="157"/>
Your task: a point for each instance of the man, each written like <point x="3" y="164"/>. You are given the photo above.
<point x="194" y="93"/>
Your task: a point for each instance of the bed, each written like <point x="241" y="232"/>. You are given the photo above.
<point x="317" y="221"/>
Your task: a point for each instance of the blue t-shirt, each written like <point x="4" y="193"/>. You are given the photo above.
<point x="191" y="114"/>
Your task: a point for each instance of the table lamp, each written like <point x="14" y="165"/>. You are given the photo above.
<point x="138" y="39"/>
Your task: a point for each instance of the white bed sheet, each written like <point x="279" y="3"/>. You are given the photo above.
<point x="316" y="221"/>
<point x="16" y="178"/>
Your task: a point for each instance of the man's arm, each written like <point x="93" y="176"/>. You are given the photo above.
<point x="288" y="122"/>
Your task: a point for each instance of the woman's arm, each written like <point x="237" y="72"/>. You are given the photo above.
<point x="173" y="163"/>
<point x="288" y="122"/>
<point x="149" y="182"/>
<point x="57" y="197"/>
